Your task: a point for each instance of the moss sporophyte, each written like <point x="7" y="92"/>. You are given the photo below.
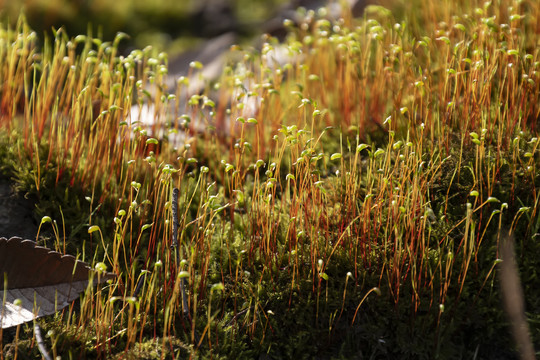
<point x="384" y="154"/>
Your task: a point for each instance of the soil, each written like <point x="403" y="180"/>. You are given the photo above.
<point x="16" y="213"/>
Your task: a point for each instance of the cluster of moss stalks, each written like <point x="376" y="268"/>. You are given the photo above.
<point x="348" y="203"/>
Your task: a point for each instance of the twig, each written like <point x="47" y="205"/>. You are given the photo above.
<point x="40" y="343"/>
<point x="175" y="221"/>
<point x="140" y="284"/>
<point x="513" y="299"/>
<point x="175" y="248"/>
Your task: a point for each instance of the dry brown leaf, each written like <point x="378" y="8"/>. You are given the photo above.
<point x="39" y="281"/>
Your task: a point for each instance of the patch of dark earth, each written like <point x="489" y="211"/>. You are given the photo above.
<point x="16" y="213"/>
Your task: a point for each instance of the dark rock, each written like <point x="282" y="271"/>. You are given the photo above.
<point x="214" y="17"/>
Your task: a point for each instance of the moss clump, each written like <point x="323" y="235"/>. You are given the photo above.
<point x="353" y="209"/>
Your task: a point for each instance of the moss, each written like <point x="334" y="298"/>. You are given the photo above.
<point x="280" y="256"/>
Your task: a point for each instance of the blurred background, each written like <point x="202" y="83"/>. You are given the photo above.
<point x="171" y="25"/>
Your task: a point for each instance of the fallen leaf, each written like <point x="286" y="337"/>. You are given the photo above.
<point x="37" y="281"/>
